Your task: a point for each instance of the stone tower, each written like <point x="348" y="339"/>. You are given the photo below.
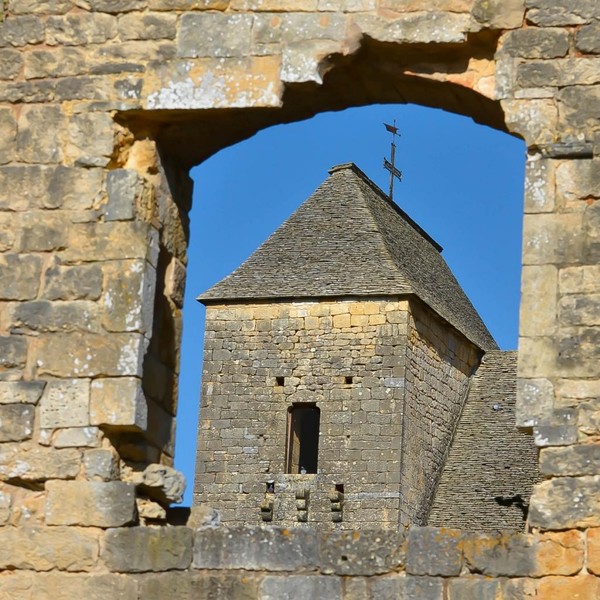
<point x="336" y="366"/>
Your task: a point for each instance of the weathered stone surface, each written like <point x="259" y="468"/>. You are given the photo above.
<point x="8" y="130"/>
<point x="10" y="64"/>
<point x="500" y="555"/>
<point x="539" y="286"/>
<point x="587" y="38"/>
<point x="539" y="185"/>
<point x="566" y="502"/>
<point x="37" y="136"/>
<point x="583" y="459"/>
<point x="317" y="587"/>
<point x="26" y="392"/>
<point x="80" y="29"/>
<point x="254" y="549"/>
<point x="44" y="316"/>
<point x="475" y="588"/>
<point x="83" y="282"/>
<point x="77" y="437"/>
<point x="128" y="296"/>
<point x="116" y="6"/>
<point x="65" y="404"/>
<point x="13" y="352"/>
<point x="582" y="586"/>
<point x="90" y="503"/>
<point x="161" y="482"/>
<point x="579" y="107"/>
<point x="434" y="551"/>
<point x="118" y="402"/>
<point x="47" y="548"/>
<point x="559" y="72"/>
<point x="20" y="31"/>
<point x="222" y="35"/>
<point x="535" y="401"/>
<point x="20" y="276"/>
<point x="198" y="586"/>
<point x="101" y="464"/>
<point x="91" y="139"/>
<point x="588" y="416"/>
<point x="139" y="549"/>
<point x="584" y="279"/>
<point x="149" y="26"/>
<point x="90" y="354"/>
<point x="124" y="186"/>
<point x="499" y="14"/>
<point x="30" y="462"/>
<point x="579" y="309"/>
<point x="406" y="588"/>
<point x="561" y="12"/>
<point x="577" y="180"/>
<point x="16" y="422"/>
<point x="552" y="238"/>
<point x="578" y="352"/>
<point x="360" y="553"/>
<point x="537" y="43"/>
<point x="560" y="553"/>
<point x="61" y="62"/>
<point x="593" y="551"/>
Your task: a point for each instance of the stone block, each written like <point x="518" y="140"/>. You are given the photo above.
<point x="118" y="402"/>
<point x="434" y="551"/>
<point x="45" y="316"/>
<point x="81" y="282"/>
<point x="160" y="482"/>
<point x="77" y="437"/>
<point x="90" y="354"/>
<point x="115" y="240"/>
<point x="537" y="43"/>
<point x="90" y="503"/>
<point x="579" y="309"/>
<point x="566" y="503"/>
<point x="254" y="549"/>
<point x="407" y="588"/>
<point x="101" y="464"/>
<point x="140" y="549"/>
<point x="548" y="13"/>
<point x="47" y="548"/>
<point x="539" y="288"/>
<point x="588" y="417"/>
<point x="360" y="553"/>
<point x="316" y="587"/>
<point x="496" y="555"/>
<point x="579" y="280"/>
<point x="116" y="6"/>
<point x="591" y="224"/>
<point x="499" y="14"/>
<point x="124" y="187"/>
<point x="24" y="392"/>
<point x="535" y="120"/>
<point x="593" y="550"/>
<point x="13" y="352"/>
<point x="21" y="31"/>
<point x="539" y="185"/>
<point x="148" y="26"/>
<point x="552" y="238"/>
<point x="65" y="404"/>
<point x="582" y="459"/>
<point x="582" y="586"/>
<point x="128" y="296"/>
<point x="16" y="422"/>
<point x="198" y="586"/>
<point x="223" y="35"/>
<point x="559" y="72"/>
<point x="38" y="134"/>
<point x="578" y="352"/>
<point x="8" y="131"/>
<point x="473" y="588"/>
<point x="587" y="38"/>
<point x="57" y="62"/>
<point x="91" y="139"/>
<point x="20" y="276"/>
<point x="579" y="108"/>
<point x="535" y="401"/>
<point x="11" y="62"/>
<point x="80" y="29"/>
<point x="560" y="553"/>
<point x="30" y="462"/>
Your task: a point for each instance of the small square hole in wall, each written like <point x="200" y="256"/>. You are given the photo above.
<point x="279" y="380"/>
<point x="349" y="379"/>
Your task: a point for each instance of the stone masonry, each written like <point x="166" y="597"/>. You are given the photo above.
<point x="104" y="106"/>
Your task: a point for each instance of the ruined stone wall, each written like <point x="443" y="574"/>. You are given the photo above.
<point x="313" y="347"/>
<point x="439" y="364"/>
<point x="92" y="87"/>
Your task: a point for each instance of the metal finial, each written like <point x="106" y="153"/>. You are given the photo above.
<point x="390" y="164"/>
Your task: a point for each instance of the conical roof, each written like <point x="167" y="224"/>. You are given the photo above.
<point x="349" y="239"/>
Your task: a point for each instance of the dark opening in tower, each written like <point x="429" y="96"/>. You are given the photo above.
<point x="303" y="438"/>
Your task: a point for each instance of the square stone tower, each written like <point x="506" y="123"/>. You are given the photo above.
<point x="336" y="365"/>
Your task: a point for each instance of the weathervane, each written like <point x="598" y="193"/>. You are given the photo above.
<point x="390" y="166"/>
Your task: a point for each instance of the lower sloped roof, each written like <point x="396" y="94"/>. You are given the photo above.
<point x="491" y="468"/>
<point x="349" y="239"/>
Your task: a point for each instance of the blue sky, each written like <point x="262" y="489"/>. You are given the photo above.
<point x="462" y="182"/>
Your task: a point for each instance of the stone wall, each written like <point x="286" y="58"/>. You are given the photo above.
<point x="439" y="364"/>
<point x="94" y="93"/>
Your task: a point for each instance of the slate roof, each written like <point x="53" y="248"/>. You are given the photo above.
<point x="491" y="467"/>
<point x="349" y="239"/>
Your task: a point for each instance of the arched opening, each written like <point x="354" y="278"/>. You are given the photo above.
<point x="462" y="182"/>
